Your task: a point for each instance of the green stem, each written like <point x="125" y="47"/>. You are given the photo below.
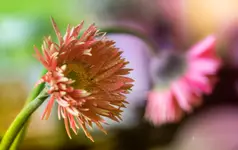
<point x="127" y="30"/>
<point x="33" y="94"/>
<point x="16" y="143"/>
<point x="21" y="119"/>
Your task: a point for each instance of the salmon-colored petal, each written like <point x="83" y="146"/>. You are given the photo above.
<point x="48" y="108"/>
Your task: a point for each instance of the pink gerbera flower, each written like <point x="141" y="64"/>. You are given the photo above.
<point x="86" y="77"/>
<point x="180" y="82"/>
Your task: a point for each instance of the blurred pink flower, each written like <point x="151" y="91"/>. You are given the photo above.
<point x="185" y="91"/>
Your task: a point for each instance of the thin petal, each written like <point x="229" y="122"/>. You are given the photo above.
<point x="161" y="108"/>
<point x="48" y="109"/>
<point x="205" y="66"/>
<point x="205" y="46"/>
<point x="59" y="36"/>
<point x="182" y="93"/>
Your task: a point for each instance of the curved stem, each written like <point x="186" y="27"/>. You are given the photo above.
<point x="21" y="119"/>
<point x="127" y="30"/>
<point x="16" y="143"/>
<point x="33" y="94"/>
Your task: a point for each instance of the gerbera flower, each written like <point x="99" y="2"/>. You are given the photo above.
<point x="86" y="77"/>
<point x="180" y="81"/>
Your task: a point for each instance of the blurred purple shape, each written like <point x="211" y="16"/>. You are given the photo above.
<point x="137" y="53"/>
<point x="214" y="129"/>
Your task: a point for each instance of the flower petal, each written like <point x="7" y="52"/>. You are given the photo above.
<point x="161" y="108"/>
<point x="205" y="46"/>
<point x="182" y="94"/>
<point x="204" y="66"/>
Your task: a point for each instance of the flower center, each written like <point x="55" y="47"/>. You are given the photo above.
<point x="79" y="73"/>
<point x="167" y="68"/>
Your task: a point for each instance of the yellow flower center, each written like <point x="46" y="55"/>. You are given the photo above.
<point x="79" y="73"/>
